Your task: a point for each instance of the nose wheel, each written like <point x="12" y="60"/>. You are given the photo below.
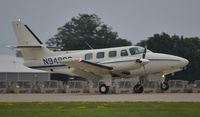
<point x="138" y="88"/>
<point x="164" y="86"/>
<point x="103" y="89"/>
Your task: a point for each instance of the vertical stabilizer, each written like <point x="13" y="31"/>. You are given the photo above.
<point x="24" y="35"/>
<point x="31" y="47"/>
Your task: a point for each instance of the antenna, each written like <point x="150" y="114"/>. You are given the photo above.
<point x="88" y="45"/>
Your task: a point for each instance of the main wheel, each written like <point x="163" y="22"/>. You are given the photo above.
<point x="138" y="88"/>
<point x="103" y="89"/>
<point x="164" y="86"/>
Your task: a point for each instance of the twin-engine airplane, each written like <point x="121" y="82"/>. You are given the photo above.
<point x="102" y="64"/>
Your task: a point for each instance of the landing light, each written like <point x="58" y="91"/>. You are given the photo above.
<point x="71" y="78"/>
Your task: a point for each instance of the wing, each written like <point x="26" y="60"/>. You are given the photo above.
<point x="87" y="66"/>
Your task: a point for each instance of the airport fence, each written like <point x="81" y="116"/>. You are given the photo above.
<point x="75" y="86"/>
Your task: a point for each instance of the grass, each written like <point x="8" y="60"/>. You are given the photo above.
<point x="92" y="109"/>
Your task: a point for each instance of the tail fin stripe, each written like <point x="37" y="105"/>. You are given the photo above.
<point x="33" y="34"/>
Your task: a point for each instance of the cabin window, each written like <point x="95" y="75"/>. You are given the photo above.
<point x="88" y="56"/>
<point x="112" y="54"/>
<point x="124" y="53"/>
<point x="100" y="55"/>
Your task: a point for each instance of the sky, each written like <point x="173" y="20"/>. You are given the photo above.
<point x="134" y="20"/>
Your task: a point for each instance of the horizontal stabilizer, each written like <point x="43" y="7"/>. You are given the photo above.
<point x="24" y="46"/>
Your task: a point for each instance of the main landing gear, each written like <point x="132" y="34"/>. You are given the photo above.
<point x="103" y="89"/>
<point x="105" y="85"/>
<point x="138" y="88"/>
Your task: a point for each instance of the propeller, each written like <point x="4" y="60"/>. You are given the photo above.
<point x="143" y="61"/>
<point x="144" y="53"/>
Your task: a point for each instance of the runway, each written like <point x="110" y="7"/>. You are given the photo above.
<point x="162" y="97"/>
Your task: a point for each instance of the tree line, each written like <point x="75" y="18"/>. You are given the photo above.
<point x="84" y="32"/>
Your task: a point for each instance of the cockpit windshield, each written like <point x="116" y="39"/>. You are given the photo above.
<point x="137" y="50"/>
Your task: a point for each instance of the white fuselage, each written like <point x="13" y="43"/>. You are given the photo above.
<point x="122" y="59"/>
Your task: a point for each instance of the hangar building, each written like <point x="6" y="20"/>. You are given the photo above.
<point x="12" y="69"/>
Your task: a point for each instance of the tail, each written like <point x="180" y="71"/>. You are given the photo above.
<point x="31" y="47"/>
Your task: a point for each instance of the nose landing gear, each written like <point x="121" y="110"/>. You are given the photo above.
<point x="164" y="86"/>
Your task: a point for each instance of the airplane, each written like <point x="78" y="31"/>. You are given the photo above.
<point x="97" y="64"/>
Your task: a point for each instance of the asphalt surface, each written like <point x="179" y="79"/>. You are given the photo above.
<point x="164" y="97"/>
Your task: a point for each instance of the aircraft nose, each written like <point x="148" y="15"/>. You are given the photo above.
<point x="184" y="61"/>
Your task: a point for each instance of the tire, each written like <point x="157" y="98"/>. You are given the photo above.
<point x="138" y="88"/>
<point x="103" y="89"/>
<point x="164" y="86"/>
